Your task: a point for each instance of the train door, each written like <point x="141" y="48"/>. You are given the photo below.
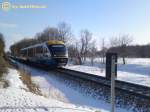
<point x="46" y="53"/>
<point x="39" y="52"/>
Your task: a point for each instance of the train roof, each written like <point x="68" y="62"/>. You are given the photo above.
<point x="51" y="42"/>
<point x="55" y="42"/>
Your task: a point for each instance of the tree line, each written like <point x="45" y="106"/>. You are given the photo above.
<point x="138" y="51"/>
<point x="83" y="47"/>
<point x="3" y="64"/>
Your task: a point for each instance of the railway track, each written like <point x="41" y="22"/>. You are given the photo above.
<point x="134" y="89"/>
<point x="129" y="95"/>
<point x="130" y="88"/>
<point x="139" y="94"/>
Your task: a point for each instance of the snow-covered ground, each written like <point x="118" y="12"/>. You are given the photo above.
<point x="136" y="70"/>
<point x="54" y="87"/>
<point x="137" y="61"/>
<point x="15" y="98"/>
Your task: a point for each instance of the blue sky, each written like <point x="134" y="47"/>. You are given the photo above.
<point x="104" y="18"/>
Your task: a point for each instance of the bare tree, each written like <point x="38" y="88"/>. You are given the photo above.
<point x="121" y="42"/>
<point x="85" y="38"/>
<point x="82" y="47"/>
<point x="92" y="52"/>
<point x="78" y="53"/>
<point x="103" y="50"/>
<point x="74" y="53"/>
<point x="50" y="33"/>
<point x="64" y="31"/>
<point x="124" y="41"/>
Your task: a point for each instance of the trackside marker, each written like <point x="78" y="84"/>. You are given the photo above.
<point x="113" y="84"/>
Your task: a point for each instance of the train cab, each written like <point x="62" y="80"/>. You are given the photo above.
<point x="58" y="52"/>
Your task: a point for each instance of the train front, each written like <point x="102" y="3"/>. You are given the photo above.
<point x="59" y="52"/>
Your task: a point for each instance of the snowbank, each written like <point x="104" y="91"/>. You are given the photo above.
<point x="137" y="70"/>
<point x="135" y="61"/>
<point x="16" y="99"/>
<point x="13" y="79"/>
<point x="55" y="87"/>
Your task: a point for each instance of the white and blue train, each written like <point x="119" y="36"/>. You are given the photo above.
<point x="50" y="53"/>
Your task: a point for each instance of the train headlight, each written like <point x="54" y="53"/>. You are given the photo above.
<point x="66" y="54"/>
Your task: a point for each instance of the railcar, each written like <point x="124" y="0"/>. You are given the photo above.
<point x="50" y="53"/>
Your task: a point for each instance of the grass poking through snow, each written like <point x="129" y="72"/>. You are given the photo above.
<point x="26" y="78"/>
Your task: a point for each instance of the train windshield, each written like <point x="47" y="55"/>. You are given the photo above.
<point x="58" y="50"/>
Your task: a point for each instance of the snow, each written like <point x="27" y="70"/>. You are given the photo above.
<point x="136" y="61"/>
<point x="137" y="70"/>
<point x="13" y="79"/>
<point x="16" y="99"/>
<point x="53" y="88"/>
<point x="59" y="96"/>
<point x="60" y="93"/>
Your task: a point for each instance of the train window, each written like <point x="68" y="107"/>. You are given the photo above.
<point x="22" y="52"/>
<point x="33" y="51"/>
<point x="26" y="52"/>
<point x="58" y="48"/>
<point x="30" y="52"/>
<point x="57" y="45"/>
<point x="39" y="49"/>
<point x="45" y="50"/>
<point x="36" y="50"/>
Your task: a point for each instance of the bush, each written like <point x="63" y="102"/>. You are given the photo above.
<point x="3" y="66"/>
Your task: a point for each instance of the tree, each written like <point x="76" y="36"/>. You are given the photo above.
<point x="50" y="33"/>
<point x="92" y="52"/>
<point x="3" y="64"/>
<point x="64" y="31"/>
<point x="2" y="44"/>
<point x="78" y="53"/>
<point x="103" y="50"/>
<point x="85" y="39"/>
<point x="121" y="42"/>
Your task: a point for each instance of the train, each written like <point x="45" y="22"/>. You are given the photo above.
<point x="50" y="53"/>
